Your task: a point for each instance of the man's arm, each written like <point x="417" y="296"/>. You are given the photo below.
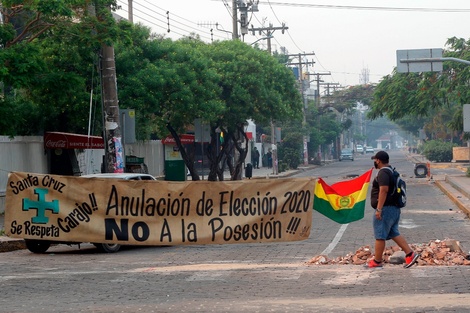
<point x="383" y="191"/>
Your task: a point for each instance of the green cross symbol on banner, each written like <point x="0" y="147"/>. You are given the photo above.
<point x="41" y="206"/>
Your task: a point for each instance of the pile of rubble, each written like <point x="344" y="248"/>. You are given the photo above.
<point x="436" y="252"/>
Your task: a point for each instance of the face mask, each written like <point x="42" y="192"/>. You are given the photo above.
<point x="376" y="165"/>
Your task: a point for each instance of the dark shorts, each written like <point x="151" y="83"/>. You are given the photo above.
<point x="387" y="227"/>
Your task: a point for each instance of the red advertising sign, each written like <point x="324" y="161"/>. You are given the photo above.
<point x="57" y="140"/>
<point x="185" y="139"/>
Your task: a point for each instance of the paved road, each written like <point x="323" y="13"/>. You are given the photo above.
<point x="251" y="277"/>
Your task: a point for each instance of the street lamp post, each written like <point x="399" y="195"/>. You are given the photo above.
<point x="263" y="38"/>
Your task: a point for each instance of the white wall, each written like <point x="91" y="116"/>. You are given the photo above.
<point x="153" y="152"/>
<point x="20" y="154"/>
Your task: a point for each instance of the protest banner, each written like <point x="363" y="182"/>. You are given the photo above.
<point x="97" y="210"/>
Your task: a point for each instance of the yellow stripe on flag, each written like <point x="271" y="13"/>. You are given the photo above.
<point x="338" y="202"/>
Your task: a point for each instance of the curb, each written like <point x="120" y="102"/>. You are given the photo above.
<point x="455" y="199"/>
<point x="8" y="244"/>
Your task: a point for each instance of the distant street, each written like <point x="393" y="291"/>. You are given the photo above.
<point x="253" y="277"/>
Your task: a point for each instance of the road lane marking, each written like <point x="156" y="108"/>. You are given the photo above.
<point x="408" y="223"/>
<point x="335" y="241"/>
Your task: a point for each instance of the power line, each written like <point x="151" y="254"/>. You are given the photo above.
<point x="353" y="7"/>
<point x="288" y="33"/>
<point x="152" y="20"/>
<point x="292" y="39"/>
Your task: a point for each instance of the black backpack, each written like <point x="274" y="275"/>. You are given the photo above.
<point x="398" y="193"/>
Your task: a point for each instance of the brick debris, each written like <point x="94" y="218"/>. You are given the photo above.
<point x="447" y="252"/>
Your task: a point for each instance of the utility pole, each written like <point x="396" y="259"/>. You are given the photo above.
<point x="317" y="102"/>
<point x="269" y="34"/>
<point x="234" y="19"/>
<point x="114" y="153"/>
<point x="130" y="12"/>
<point x="337" y="144"/>
<point x="244" y="6"/>
<point x="328" y="85"/>
<point x="300" y="63"/>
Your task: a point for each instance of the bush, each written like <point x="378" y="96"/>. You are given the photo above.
<point x="438" y="151"/>
<point x="282" y="167"/>
<point x="290" y="157"/>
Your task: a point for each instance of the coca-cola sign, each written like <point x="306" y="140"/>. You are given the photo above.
<point x="57" y="140"/>
<point x="56" y="144"/>
<point x="185" y="139"/>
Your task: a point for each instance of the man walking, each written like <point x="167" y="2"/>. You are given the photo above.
<point x="386" y="214"/>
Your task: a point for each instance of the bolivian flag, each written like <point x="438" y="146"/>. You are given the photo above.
<point x="343" y="202"/>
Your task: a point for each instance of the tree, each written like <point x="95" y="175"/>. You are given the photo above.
<point x="326" y="123"/>
<point x="323" y="127"/>
<point x="254" y="86"/>
<point x="225" y="83"/>
<point x="422" y="97"/>
<point x="48" y="65"/>
<point x="170" y="84"/>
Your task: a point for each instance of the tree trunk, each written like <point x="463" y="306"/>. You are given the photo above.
<point x="187" y="160"/>
<point x="236" y="138"/>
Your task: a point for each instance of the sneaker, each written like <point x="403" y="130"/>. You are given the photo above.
<point x="411" y="260"/>
<point x="373" y="264"/>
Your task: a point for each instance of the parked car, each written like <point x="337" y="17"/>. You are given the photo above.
<point x="41" y="246"/>
<point x="346" y="154"/>
<point x="126" y="176"/>
<point x="359" y="149"/>
<point x="369" y="149"/>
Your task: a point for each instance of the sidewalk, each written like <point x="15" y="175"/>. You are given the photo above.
<point x="455" y="186"/>
<point x="268" y="173"/>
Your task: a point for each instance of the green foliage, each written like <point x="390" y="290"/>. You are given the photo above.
<point x="438" y="151"/>
<point x="254" y="85"/>
<point x="171" y="83"/>
<point x="432" y="101"/>
<point x="49" y="67"/>
<point x="23" y="117"/>
<point x="20" y="65"/>
<point x="167" y="82"/>
<point x="291" y="148"/>
<point x="283" y="166"/>
<point x="290" y="157"/>
<point x="7" y="33"/>
<point x="323" y="126"/>
<point x="347" y="99"/>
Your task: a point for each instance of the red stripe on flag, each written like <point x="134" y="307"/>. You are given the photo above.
<point x="345" y="188"/>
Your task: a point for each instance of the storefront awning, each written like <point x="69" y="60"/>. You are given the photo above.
<point x="58" y="140"/>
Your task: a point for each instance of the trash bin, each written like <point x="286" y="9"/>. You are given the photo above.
<point x="135" y="165"/>
<point x="249" y="170"/>
<point x="175" y="170"/>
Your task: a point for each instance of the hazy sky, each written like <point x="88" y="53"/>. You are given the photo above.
<point x="346" y="36"/>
